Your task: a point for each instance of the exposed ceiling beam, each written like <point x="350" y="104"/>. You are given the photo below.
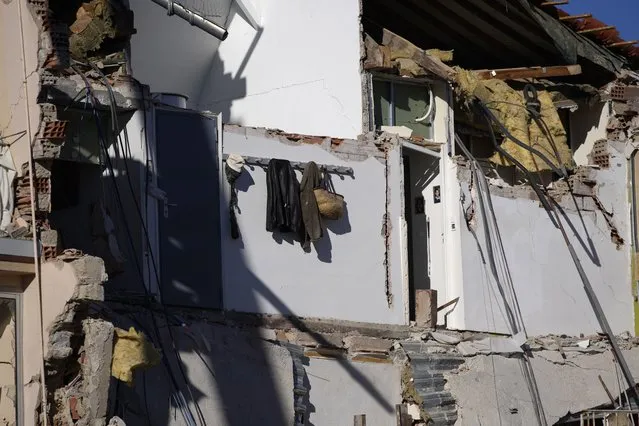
<point x="529" y="72"/>
<point x="575" y="17"/>
<point x="595" y="30"/>
<point x="623" y="43"/>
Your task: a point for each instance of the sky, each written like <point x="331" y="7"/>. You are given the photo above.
<point x="624" y="14"/>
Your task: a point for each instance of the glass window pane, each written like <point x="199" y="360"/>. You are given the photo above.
<point x="381" y="103"/>
<point x="411" y="102"/>
<point x="8" y="371"/>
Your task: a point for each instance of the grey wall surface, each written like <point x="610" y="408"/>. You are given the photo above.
<point x="336" y="396"/>
<point x="240" y="377"/>
<point x="235" y="377"/>
<point x="490" y="390"/>
<point x="548" y="287"/>
<point x="344" y="275"/>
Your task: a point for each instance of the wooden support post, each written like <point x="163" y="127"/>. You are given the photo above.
<point x="575" y="17"/>
<point x="529" y="72"/>
<point x="426" y="308"/>
<point x="360" y="420"/>
<point x="596" y="30"/>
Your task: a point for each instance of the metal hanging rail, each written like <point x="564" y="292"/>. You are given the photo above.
<point x="263" y="162"/>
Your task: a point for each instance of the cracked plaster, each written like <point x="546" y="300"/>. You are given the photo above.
<point x="489" y="388"/>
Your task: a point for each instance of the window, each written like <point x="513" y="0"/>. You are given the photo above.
<point x="400" y="104"/>
<point x="10" y="389"/>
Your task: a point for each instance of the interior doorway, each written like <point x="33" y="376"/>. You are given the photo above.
<point x="422" y="198"/>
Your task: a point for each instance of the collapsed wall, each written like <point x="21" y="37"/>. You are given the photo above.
<point x="78" y="341"/>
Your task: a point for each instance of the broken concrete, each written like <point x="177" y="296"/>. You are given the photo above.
<point x="96" y="366"/>
<point x="485" y="383"/>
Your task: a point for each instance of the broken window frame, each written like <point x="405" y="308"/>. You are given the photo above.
<point x="393" y="82"/>
<point x="18" y="352"/>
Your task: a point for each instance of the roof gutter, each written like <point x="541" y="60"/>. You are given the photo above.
<point x="193" y="18"/>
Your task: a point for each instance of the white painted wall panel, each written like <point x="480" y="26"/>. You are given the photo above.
<point x="344" y="276"/>
<point x="548" y="287"/>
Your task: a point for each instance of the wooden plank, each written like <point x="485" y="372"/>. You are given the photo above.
<point x="623" y="43"/>
<point x="426" y="308"/>
<point x="360" y="420"/>
<point x="16" y="268"/>
<point x="575" y="17"/>
<point x="400" y="48"/>
<point x="554" y="3"/>
<point x="529" y="72"/>
<point x="595" y="30"/>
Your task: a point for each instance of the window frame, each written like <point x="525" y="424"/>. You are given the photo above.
<point x="393" y="80"/>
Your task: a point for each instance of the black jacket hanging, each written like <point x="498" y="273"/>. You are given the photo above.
<point x="311" y="179"/>
<point x="283" y="209"/>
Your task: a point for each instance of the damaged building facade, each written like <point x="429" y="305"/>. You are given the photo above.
<point x="482" y="269"/>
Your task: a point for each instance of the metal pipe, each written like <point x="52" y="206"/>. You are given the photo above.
<point x="193" y="18"/>
<point x="421" y="149"/>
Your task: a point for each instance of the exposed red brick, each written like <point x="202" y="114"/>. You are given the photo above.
<point x="53" y="130"/>
<point x="313" y="140"/>
<point x="73" y="408"/>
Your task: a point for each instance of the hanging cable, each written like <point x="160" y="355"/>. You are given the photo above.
<point x="126" y="150"/>
<point x="506" y="132"/>
<point x="515" y="317"/>
<point x="431" y="107"/>
<point x="179" y="399"/>
<point x="590" y="293"/>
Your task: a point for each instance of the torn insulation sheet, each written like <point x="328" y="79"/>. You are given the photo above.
<point x="132" y="351"/>
<point x="509" y="107"/>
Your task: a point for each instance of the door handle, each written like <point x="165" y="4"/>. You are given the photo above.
<point x="166" y="207"/>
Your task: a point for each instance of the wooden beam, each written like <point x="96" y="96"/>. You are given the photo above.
<point x="554" y="3"/>
<point x="360" y="420"/>
<point x="529" y="72"/>
<point x="623" y="43"/>
<point x="575" y="17"/>
<point x="595" y="30"/>
<point x="16" y="268"/>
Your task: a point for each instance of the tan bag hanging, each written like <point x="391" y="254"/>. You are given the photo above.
<point x="330" y="204"/>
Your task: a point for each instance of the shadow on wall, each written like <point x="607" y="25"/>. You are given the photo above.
<point x="220" y="89"/>
<point x="226" y="376"/>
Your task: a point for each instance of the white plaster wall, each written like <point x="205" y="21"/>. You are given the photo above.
<point x="19" y="82"/>
<point x="587" y="125"/>
<point x="344" y="276"/>
<point x="31" y="352"/>
<point x="335" y="395"/>
<point x="548" y="287"/>
<point x="170" y="55"/>
<point x="299" y="73"/>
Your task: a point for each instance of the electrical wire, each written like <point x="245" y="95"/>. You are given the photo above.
<point x="18" y="136"/>
<point x="515" y="318"/>
<point x="592" y="297"/>
<point x="125" y="148"/>
<point x="431" y="106"/>
<point x="506" y="132"/>
<point x="179" y="401"/>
